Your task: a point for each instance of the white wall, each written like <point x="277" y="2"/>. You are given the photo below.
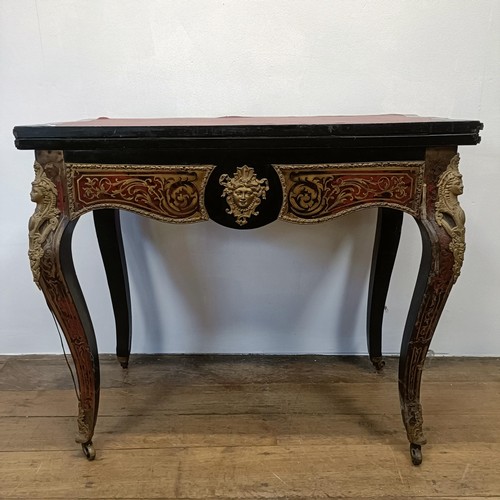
<point x="282" y="288"/>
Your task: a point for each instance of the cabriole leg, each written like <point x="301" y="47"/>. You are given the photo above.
<point x="384" y="254"/>
<point x="109" y="236"/>
<point x="51" y="262"/>
<point x="442" y="226"/>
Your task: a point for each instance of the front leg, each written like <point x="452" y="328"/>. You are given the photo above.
<point x="443" y="238"/>
<point x="51" y="262"/>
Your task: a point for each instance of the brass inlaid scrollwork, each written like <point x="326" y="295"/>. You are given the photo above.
<point x="173" y="193"/>
<point x="319" y="192"/>
<point x="243" y="193"/>
<point x="45" y="219"/>
<point x="174" y="196"/>
<point x="449" y="213"/>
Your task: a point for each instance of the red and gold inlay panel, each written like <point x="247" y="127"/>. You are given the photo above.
<point x="173" y="193"/>
<point x="315" y="193"/>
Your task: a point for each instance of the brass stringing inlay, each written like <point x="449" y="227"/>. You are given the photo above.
<point x="449" y="213"/>
<point x="45" y="219"/>
<point x="315" y="193"/>
<point x="243" y="193"/>
<point x="173" y="193"/>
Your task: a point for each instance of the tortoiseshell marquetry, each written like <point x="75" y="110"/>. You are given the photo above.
<point x="172" y="193"/>
<point x="316" y="193"/>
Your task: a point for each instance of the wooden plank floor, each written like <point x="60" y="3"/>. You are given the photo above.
<point x="227" y="427"/>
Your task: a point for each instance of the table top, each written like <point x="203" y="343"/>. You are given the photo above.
<point x="325" y="131"/>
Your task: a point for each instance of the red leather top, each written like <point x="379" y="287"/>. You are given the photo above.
<point x="247" y="120"/>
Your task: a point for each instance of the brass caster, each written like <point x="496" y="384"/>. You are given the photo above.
<point x="378" y="363"/>
<point x="416" y="454"/>
<point x="88" y="450"/>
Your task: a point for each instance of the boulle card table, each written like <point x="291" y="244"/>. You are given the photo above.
<point x="245" y="173"/>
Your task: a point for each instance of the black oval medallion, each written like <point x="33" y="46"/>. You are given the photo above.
<point x="244" y="196"/>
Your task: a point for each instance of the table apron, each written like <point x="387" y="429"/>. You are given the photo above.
<point x="310" y="193"/>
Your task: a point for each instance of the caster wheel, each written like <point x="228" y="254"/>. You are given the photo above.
<point x="416" y="454"/>
<point x="88" y="450"/>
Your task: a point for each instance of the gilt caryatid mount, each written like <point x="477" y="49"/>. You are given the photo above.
<point x="44" y="220"/>
<point x="449" y="213"/>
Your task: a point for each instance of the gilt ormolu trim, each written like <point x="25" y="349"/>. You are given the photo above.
<point x="413" y="421"/>
<point x="171" y="193"/>
<point x="449" y="213"/>
<point x="319" y="192"/>
<point x="243" y="193"/>
<point x="45" y="219"/>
